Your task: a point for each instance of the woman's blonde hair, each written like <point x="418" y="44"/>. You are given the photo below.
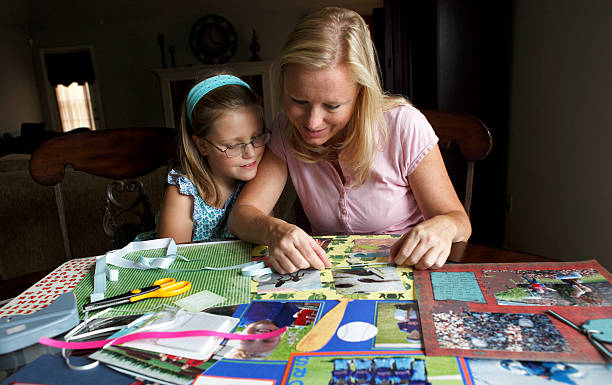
<point x="326" y="38"/>
<point x="207" y="110"/>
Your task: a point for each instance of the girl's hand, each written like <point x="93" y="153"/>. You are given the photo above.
<point x="291" y="249"/>
<point x="426" y="246"/>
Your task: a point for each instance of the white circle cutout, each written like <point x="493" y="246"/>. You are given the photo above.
<point x="357" y="331"/>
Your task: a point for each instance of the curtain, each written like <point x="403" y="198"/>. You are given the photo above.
<point x="70" y="67"/>
<point x="74" y="106"/>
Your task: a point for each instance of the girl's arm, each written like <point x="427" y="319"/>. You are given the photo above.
<point x="290" y="247"/>
<point x="428" y="244"/>
<point x="176" y="216"/>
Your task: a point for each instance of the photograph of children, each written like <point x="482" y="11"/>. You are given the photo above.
<point x="372" y="369"/>
<point x="516" y="332"/>
<point x="367" y="280"/>
<point x="265" y="317"/>
<point x="572" y="287"/>
<point x="510" y="372"/>
<point x="301" y="280"/>
<point x="398" y="325"/>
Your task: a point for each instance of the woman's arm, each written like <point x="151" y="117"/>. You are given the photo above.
<point x="428" y="244"/>
<point x="176" y="216"/>
<point x="290" y="247"/>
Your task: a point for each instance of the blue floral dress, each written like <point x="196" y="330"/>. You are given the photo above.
<point x="209" y="223"/>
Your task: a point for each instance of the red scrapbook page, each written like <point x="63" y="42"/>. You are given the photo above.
<point x="501" y="311"/>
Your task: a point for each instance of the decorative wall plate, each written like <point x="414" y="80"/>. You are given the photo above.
<point x="213" y="39"/>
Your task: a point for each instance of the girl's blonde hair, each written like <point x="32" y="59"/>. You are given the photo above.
<point x="207" y="110"/>
<point x="326" y="38"/>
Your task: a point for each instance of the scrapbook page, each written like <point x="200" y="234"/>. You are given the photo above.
<point x="495" y="311"/>
<point x="231" y="287"/>
<point x="359" y="271"/>
<point x="381" y="327"/>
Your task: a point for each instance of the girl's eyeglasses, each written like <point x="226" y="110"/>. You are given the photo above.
<point x="238" y="149"/>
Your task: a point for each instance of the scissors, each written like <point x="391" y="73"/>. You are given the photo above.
<point x="165" y="287"/>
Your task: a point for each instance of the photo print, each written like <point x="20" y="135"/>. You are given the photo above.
<point x="373" y="279"/>
<point x="265" y="317"/>
<point x="568" y="287"/>
<point x="379" y="370"/>
<point x="349" y="369"/>
<point x="372" y="248"/>
<point x="511" y="372"/>
<point x="398" y="326"/>
<point x="515" y="332"/>
<point x="301" y="280"/>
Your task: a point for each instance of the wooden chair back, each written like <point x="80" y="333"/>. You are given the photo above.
<point x="464" y="139"/>
<point x="122" y="155"/>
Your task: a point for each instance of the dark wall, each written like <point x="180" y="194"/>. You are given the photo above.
<point x="455" y="55"/>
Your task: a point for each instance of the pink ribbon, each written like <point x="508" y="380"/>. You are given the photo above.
<point x="137" y="336"/>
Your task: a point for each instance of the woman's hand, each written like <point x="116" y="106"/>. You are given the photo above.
<point x="291" y="249"/>
<point x="426" y="246"/>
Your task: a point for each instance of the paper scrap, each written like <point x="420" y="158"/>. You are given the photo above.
<point x="200" y="301"/>
<point x="357" y="331"/>
<point x="457" y="286"/>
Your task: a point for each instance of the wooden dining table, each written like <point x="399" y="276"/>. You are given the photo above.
<point x="467" y="252"/>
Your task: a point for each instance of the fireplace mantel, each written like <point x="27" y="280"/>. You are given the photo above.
<point x="175" y="82"/>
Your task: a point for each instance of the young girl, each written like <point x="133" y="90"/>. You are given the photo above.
<point x="221" y="143"/>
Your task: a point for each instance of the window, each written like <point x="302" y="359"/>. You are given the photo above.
<point x="71" y="89"/>
<point x="74" y="105"/>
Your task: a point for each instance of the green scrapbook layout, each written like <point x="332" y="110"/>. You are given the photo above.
<point x="359" y="271"/>
<point x="229" y="284"/>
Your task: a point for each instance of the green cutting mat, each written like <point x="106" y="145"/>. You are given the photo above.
<point x="229" y="284"/>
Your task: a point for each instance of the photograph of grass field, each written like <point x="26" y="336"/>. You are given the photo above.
<point x="563" y="287"/>
<point x="398" y="326"/>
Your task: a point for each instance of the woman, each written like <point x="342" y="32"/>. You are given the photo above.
<point x="361" y="161"/>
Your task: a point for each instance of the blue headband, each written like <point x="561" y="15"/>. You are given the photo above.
<point x="207" y="85"/>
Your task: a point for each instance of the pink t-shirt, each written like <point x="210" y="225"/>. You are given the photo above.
<point x="384" y="204"/>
